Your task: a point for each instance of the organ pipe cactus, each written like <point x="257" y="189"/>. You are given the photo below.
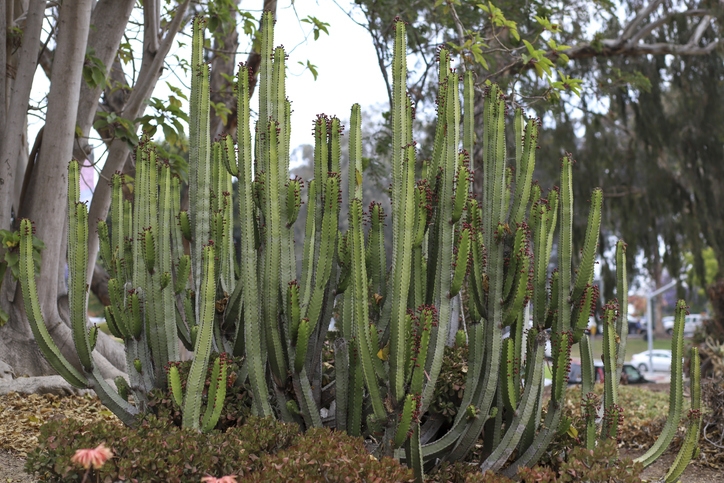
<point x="176" y="277"/>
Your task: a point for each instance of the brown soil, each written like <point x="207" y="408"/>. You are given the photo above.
<point x="693" y="474"/>
<point x="11" y="468"/>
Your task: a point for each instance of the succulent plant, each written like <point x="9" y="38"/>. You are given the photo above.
<point x="488" y="253"/>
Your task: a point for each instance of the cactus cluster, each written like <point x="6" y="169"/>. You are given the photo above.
<point x="176" y="277"/>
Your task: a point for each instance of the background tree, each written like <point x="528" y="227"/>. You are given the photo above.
<point x="631" y="87"/>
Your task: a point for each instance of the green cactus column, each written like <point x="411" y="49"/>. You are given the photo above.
<point x="676" y="392"/>
<point x="252" y="328"/>
<point x="690" y="447"/>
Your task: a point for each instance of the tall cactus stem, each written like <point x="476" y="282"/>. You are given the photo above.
<point x="691" y="438"/>
<point x="676" y="390"/>
<point x="253" y="332"/>
<point x="622" y="295"/>
<point x="202" y="348"/>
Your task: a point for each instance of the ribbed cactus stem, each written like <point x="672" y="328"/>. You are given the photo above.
<point x="174" y="385"/>
<point x="360" y="311"/>
<point x="691" y="439"/>
<point x="565" y="246"/>
<point x="610" y="393"/>
<point x="166" y="300"/>
<point x="393" y="309"/>
<point x="118" y="234"/>
<point x="524" y="172"/>
<point x="676" y="390"/>
<point x="271" y="281"/>
<point x="622" y="294"/>
<point x="342" y="380"/>
<point x="253" y="332"/>
<point x="78" y="259"/>
<point x="484" y="389"/>
<point x="403" y="428"/>
<point x="354" y="184"/>
<point x="216" y="394"/>
<point x="202" y="348"/>
<point x="440" y="266"/>
<point x="524" y="411"/>
<point x="35" y="317"/>
<point x="468" y="119"/>
<point x="584" y="274"/>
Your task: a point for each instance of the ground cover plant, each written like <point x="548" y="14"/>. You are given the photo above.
<point x="257" y="326"/>
<point x="262" y="449"/>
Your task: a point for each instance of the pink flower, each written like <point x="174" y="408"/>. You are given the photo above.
<point x="223" y="479"/>
<point x="92" y="457"/>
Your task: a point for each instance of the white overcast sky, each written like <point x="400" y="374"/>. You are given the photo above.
<point x="345" y="59"/>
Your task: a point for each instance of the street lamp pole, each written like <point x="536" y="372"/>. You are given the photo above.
<point x="650" y="319"/>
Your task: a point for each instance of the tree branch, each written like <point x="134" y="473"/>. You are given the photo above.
<point x="460" y="30"/>
<point x="108" y="23"/>
<point x="628" y="32"/>
<point x="587" y="50"/>
<point x="151" y="23"/>
<point x="644" y="32"/>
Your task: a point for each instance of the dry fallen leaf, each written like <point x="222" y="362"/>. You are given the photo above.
<point x="22" y="415"/>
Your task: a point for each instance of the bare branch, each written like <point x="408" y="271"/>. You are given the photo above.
<point x="460" y="30"/>
<point x="609" y="48"/>
<point x="700" y="29"/>
<point x="628" y="32"/>
<point x="152" y="63"/>
<point x="151" y="23"/>
<point x="644" y="32"/>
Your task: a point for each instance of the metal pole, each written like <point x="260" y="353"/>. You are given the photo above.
<point x="650" y="319"/>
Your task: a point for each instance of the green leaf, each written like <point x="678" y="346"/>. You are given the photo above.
<point x="317" y="26"/>
<point x="311" y="67"/>
<point x="99" y="77"/>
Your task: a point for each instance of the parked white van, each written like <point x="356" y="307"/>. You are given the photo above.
<point x="691" y="323"/>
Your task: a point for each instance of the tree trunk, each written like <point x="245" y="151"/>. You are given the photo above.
<point x="14" y="136"/>
<point x="46" y="205"/>
<point x="658" y="305"/>
<point x="108" y="21"/>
